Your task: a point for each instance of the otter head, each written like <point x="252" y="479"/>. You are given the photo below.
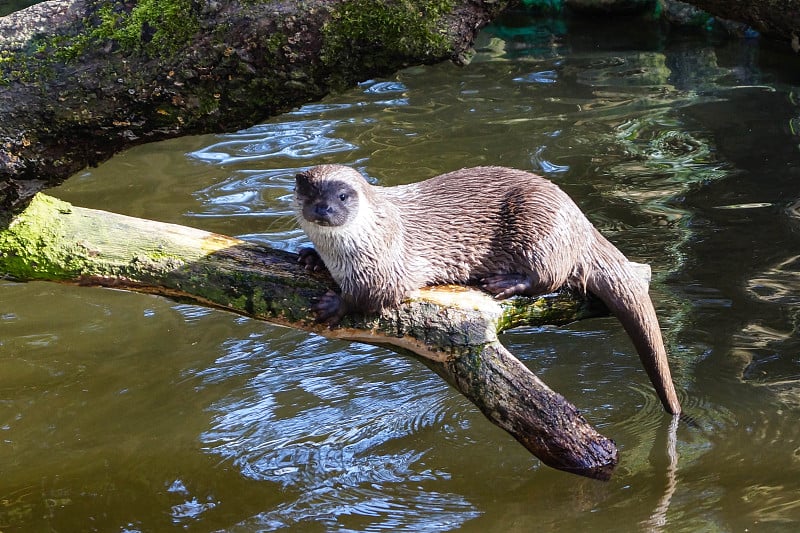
<point x="328" y="195"/>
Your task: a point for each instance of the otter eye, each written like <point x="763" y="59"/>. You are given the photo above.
<point x="342" y="197"/>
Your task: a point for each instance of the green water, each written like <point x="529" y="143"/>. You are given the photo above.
<point x="10" y="6"/>
<point x="128" y="412"/>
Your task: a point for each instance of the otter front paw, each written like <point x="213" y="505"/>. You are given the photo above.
<point x="311" y="260"/>
<point x="503" y="286"/>
<point x="329" y="309"/>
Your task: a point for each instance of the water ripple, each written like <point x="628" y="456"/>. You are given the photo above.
<point x="192" y="313"/>
<point x="544" y="76"/>
<point x="304" y="419"/>
<point x="295" y="139"/>
<point x="408" y="510"/>
<point x="384" y="87"/>
<point x="318" y="109"/>
<point x="541" y="164"/>
<point x="778" y="284"/>
<point x="249" y="193"/>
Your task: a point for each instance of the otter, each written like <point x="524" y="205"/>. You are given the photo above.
<point x="508" y="231"/>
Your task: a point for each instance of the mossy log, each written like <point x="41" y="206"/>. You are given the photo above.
<point x="453" y="330"/>
<point x="81" y="80"/>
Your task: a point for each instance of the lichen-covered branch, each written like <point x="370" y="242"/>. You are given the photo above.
<point x="453" y="330"/>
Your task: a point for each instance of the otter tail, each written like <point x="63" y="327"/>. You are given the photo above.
<point x="613" y="280"/>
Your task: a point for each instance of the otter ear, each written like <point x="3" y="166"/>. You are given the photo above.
<point x="302" y="184"/>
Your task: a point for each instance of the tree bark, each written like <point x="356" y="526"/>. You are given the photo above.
<point x="107" y="75"/>
<point x="453" y="330"/>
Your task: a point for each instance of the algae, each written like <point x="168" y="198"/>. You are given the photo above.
<point x="154" y="28"/>
<point x="363" y="34"/>
<point x="25" y="245"/>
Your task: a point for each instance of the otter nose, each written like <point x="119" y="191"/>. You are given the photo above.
<point x="322" y="210"/>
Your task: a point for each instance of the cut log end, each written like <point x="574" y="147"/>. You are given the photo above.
<point x="594" y="456"/>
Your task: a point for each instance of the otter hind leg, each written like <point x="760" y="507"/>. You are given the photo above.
<point x="503" y="286"/>
<point x="329" y="308"/>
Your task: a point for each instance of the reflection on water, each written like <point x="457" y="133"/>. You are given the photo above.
<point x="128" y="412"/>
<point x="296" y="140"/>
<point x="336" y="424"/>
<point x="284" y="424"/>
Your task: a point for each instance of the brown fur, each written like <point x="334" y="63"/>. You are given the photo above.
<point x="511" y="231"/>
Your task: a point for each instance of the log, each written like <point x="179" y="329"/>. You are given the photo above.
<point x="453" y="330"/>
<point x="81" y="80"/>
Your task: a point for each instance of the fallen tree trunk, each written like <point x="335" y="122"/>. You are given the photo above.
<point x="453" y="330"/>
<point x="81" y="80"/>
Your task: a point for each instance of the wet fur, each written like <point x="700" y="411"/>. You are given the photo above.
<point x="508" y="230"/>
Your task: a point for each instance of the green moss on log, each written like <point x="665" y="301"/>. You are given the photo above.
<point x="155" y="28"/>
<point x="400" y="29"/>
<point x="568" y="307"/>
<point x="26" y="248"/>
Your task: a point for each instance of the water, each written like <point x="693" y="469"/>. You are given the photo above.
<point x="10" y="6"/>
<point x="127" y="412"/>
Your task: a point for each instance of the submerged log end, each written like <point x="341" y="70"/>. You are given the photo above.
<point x="576" y="448"/>
<point x="543" y="421"/>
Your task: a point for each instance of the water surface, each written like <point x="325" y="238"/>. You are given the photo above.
<point x="128" y="412"/>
